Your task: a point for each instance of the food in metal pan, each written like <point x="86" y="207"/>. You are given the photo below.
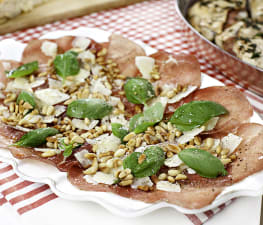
<point x="232" y="25"/>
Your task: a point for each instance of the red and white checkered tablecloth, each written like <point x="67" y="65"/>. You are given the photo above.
<point x="155" y="23"/>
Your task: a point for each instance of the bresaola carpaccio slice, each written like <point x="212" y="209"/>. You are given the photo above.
<point x="178" y="69"/>
<point x="196" y="192"/>
<point x="239" y="108"/>
<point x="123" y="52"/>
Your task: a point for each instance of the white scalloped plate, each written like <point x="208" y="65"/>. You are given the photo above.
<point x="39" y="172"/>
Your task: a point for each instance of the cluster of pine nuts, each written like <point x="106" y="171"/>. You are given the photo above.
<point x="125" y="177"/>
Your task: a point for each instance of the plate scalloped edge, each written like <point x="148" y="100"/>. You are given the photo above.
<point x="115" y="204"/>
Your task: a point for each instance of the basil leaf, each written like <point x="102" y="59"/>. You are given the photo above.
<point x="89" y="108"/>
<point x="67" y="149"/>
<point x="118" y="130"/>
<point x="67" y="64"/>
<point x="36" y="137"/>
<point x="138" y="90"/>
<point x="150" y="166"/>
<point x="195" y="114"/>
<point x="152" y="115"/>
<point x="203" y="162"/>
<point x="23" y="70"/>
<point x="26" y="97"/>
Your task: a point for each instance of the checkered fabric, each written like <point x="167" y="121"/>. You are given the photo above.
<point x="153" y="22"/>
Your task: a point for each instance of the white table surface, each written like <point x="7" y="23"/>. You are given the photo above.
<point x="242" y="211"/>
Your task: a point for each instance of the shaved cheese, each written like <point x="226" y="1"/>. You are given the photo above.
<point x="38" y="82"/>
<point x="167" y="186"/>
<point x="97" y="86"/>
<point x="80" y="156"/>
<point x="104" y="178"/>
<point x="145" y="65"/>
<point x="48" y="119"/>
<point x="162" y="100"/>
<point x="145" y="181"/>
<point x="119" y="119"/>
<point x="174" y="161"/>
<point x="22" y="128"/>
<point x="54" y="84"/>
<point x="19" y="83"/>
<point x="87" y="56"/>
<point x="182" y="95"/>
<point x="82" y="125"/>
<point x="189" y="135"/>
<point x="210" y="124"/>
<point x="81" y="42"/>
<point x="49" y="48"/>
<point x="109" y="143"/>
<point x="30" y="119"/>
<point x="89" y="179"/>
<point x="95" y="69"/>
<point x="81" y="76"/>
<point x="2" y="95"/>
<point x="51" y="96"/>
<point x="59" y="109"/>
<point x="4" y="111"/>
<point x="114" y="100"/>
<point x="190" y="171"/>
<point x="231" y="142"/>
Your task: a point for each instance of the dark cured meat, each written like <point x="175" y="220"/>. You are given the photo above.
<point x="184" y="71"/>
<point x="197" y="192"/>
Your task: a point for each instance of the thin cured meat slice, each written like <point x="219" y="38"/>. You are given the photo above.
<point x="180" y="69"/>
<point x="197" y="192"/>
<point x="123" y="52"/>
<point x="239" y="108"/>
<point x="249" y="152"/>
<point x="7" y="65"/>
<point x="33" y="50"/>
<point x="190" y="197"/>
<point x="9" y="135"/>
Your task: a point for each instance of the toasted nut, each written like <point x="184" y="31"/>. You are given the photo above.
<point x="169" y="154"/>
<point x="93" y="169"/>
<point x="119" y="153"/>
<point x="48" y="153"/>
<point x="233" y="157"/>
<point x="170" y="179"/>
<point x="173" y="173"/>
<point x="78" y="139"/>
<point x="197" y="140"/>
<point x="128" y="177"/>
<point x="122" y="174"/>
<point x="90" y="156"/>
<point x="144" y="188"/>
<point x="226" y="161"/>
<point x="209" y="142"/>
<point x="218" y="149"/>
<point x="225" y="151"/>
<point x="125" y="182"/>
<point x="129" y="136"/>
<point x="141" y="158"/>
<point x="162" y="176"/>
<point x="180" y="177"/>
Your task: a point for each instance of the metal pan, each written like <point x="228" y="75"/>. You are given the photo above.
<point x="246" y="75"/>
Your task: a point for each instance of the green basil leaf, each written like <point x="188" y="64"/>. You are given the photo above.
<point x="26" y="97"/>
<point x="203" y="162"/>
<point x="23" y="70"/>
<point x="138" y="90"/>
<point x="152" y="115"/>
<point x="67" y="64"/>
<point x="89" y="108"/>
<point x="67" y="149"/>
<point x="151" y="165"/>
<point x="118" y="130"/>
<point x="195" y="114"/>
<point x="36" y="137"/>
